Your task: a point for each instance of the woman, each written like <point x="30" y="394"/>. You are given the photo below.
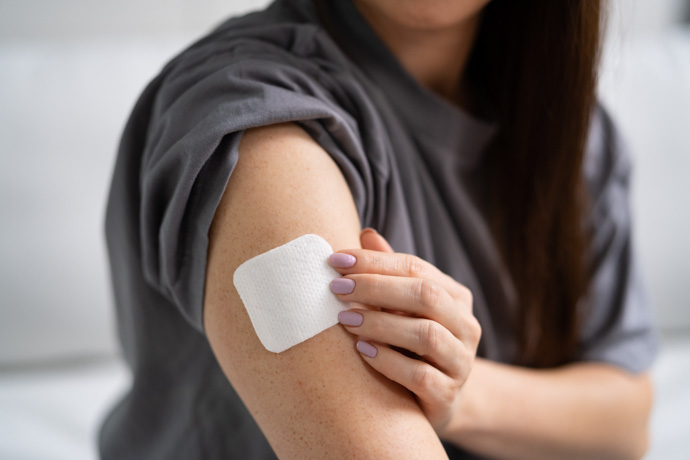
<point x="497" y="312"/>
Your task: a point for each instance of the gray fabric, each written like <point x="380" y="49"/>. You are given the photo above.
<point x="413" y="163"/>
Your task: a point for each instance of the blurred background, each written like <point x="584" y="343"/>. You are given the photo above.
<point x="70" y="72"/>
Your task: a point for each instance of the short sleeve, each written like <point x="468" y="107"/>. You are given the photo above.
<point x="618" y="326"/>
<point x="204" y="100"/>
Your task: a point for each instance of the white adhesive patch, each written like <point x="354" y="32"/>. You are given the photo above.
<point x="287" y="294"/>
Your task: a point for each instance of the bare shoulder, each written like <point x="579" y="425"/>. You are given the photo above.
<point x="317" y="399"/>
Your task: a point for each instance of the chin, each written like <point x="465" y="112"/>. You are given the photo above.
<point x="425" y="14"/>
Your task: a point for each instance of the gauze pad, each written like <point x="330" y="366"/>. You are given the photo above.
<point x="287" y="294"/>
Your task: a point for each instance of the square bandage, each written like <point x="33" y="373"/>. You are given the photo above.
<point x="286" y="292"/>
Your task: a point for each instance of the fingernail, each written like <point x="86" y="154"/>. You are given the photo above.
<point x="369" y="229"/>
<point x="341" y="260"/>
<point x="342" y="285"/>
<point x="367" y="349"/>
<point x="350" y="318"/>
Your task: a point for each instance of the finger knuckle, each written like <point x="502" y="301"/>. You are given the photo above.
<point x="375" y="284"/>
<point x="466" y="356"/>
<point x="428" y="293"/>
<point x="421" y="377"/>
<point x="429" y="337"/>
<point x="475" y="330"/>
<point x="467" y="295"/>
<point x="465" y="359"/>
<point x="447" y="394"/>
<point x="413" y="266"/>
<point x="375" y="262"/>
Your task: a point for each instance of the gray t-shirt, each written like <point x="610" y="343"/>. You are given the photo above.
<point x="411" y="160"/>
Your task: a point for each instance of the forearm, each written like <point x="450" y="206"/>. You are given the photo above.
<point x="584" y="410"/>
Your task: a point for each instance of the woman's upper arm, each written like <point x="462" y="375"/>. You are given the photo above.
<point x="317" y="399"/>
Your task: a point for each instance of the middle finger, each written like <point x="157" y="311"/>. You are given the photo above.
<point x="419" y="296"/>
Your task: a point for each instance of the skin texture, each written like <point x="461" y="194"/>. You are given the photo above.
<point x="325" y="399"/>
<point x="318" y="399"/>
<point x="583" y="410"/>
<point x="586" y="410"/>
<point x="437" y="324"/>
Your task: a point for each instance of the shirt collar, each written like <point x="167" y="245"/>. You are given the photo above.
<point x="433" y="116"/>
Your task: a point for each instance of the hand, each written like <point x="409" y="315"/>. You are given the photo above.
<point x="409" y="305"/>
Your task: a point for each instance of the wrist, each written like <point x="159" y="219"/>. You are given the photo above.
<point x="473" y="409"/>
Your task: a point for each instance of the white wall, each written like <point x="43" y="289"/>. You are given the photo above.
<point x="630" y="18"/>
<point x="30" y="19"/>
<point x="645" y="82"/>
<point x="70" y="72"/>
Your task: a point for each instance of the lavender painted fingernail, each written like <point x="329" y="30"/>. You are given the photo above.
<point x="350" y="318"/>
<point x="341" y="260"/>
<point x="367" y="349"/>
<point x="342" y="285"/>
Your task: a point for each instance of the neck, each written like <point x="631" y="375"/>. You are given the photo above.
<point x="435" y="58"/>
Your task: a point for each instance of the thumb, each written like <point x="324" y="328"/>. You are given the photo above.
<point x="371" y="239"/>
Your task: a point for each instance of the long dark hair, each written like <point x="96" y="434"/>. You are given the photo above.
<point x="537" y="61"/>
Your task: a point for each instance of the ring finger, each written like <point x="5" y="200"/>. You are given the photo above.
<point x="422" y="336"/>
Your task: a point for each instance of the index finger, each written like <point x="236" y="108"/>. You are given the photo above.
<point x="396" y="264"/>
